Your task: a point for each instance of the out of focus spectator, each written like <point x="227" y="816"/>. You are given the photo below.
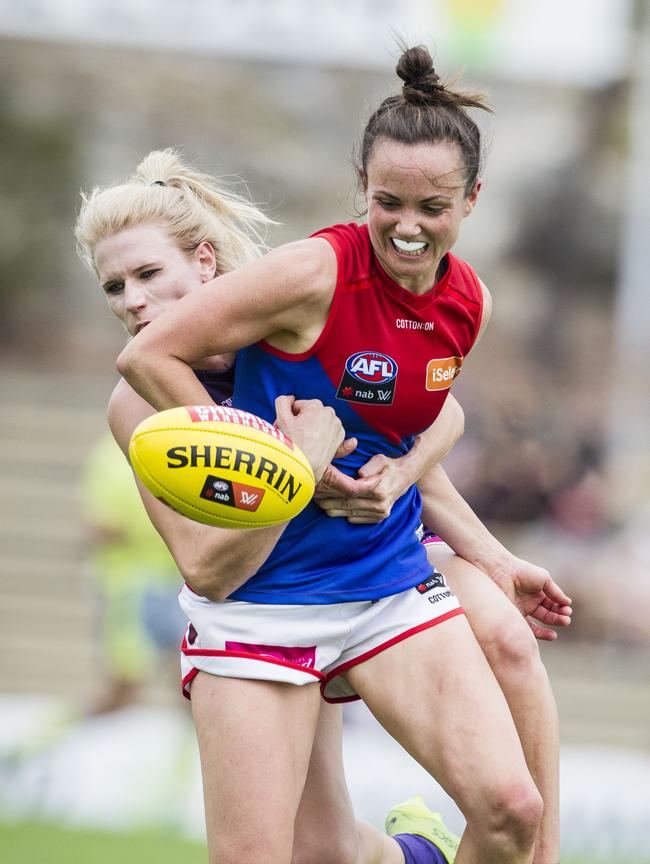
<point x="521" y="462"/>
<point x="135" y="576"/>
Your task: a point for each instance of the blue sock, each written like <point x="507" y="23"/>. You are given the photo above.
<point x="419" y="850"/>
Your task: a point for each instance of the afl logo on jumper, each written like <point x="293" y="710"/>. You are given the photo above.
<point x="368" y="377"/>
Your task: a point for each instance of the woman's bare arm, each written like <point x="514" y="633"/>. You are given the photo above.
<point x="215" y="561"/>
<point x="283" y="297"/>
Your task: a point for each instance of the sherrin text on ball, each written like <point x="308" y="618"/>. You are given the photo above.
<point x="221" y="466"/>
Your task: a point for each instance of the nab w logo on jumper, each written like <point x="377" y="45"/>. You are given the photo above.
<point x="369" y="377"/>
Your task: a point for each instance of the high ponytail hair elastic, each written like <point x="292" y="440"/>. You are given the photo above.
<point x="427" y="111"/>
<point x="415" y="68"/>
<point x="195" y="207"/>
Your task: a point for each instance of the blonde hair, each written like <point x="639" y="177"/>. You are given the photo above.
<point x="194" y="207"/>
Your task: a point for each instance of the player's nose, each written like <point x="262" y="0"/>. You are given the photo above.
<point x="135" y="296"/>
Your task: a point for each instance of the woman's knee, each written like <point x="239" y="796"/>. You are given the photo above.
<point x="512" y="650"/>
<point x="521" y="809"/>
<point x="510" y="816"/>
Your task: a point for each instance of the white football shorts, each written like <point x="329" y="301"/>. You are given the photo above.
<point x="303" y="644"/>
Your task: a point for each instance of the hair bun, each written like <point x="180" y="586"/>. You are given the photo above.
<point x="415" y="68"/>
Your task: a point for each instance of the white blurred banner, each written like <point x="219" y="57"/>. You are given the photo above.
<point x="583" y="42"/>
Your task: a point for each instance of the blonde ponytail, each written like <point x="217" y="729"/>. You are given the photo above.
<point x="195" y="207"/>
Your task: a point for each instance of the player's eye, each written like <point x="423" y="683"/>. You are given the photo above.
<point x="114" y="288"/>
<point x="148" y="274"/>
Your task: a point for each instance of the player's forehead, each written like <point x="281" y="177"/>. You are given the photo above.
<point x="421" y="170"/>
<point x="128" y="248"/>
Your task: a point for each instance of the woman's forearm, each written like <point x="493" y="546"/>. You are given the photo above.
<point x="446" y="512"/>
<point x="173" y="384"/>
<point x="434" y="443"/>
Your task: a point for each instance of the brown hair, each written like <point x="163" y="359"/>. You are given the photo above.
<point x="426" y="112"/>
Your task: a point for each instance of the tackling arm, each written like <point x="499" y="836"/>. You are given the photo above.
<point x="215" y="561"/>
<point x="532" y="590"/>
<point x="383" y="480"/>
<point x="229" y="313"/>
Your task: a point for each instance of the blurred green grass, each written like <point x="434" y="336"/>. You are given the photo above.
<point x="38" y="843"/>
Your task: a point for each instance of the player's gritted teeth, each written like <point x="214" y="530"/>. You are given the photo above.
<point x="410" y="248"/>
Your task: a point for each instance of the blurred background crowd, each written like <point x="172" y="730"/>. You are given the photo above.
<point x="274" y="94"/>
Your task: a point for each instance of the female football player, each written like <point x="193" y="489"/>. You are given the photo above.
<point x="385" y="626"/>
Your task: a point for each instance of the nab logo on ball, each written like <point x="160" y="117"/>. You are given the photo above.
<point x="369" y="377"/>
<point x="232" y="494"/>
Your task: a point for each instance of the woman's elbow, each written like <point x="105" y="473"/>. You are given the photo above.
<point x="212" y="580"/>
<point x="206" y="583"/>
<point x="131" y="361"/>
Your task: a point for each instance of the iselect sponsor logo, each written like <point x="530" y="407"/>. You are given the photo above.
<point x="441" y="372"/>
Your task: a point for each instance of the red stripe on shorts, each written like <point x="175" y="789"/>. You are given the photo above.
<point x="338" y="670"/>
<point x="218" y="652"/>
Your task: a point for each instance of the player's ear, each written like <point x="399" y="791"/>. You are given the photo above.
<point x="471" y="199"/>
<point x="206" y="260"/>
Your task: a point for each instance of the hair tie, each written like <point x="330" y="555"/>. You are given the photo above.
<point x="158" y="183"/>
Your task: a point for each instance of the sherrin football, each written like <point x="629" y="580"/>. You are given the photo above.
<point x="221" y="466"/>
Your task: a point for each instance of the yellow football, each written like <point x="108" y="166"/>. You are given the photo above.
<point x="221" y="466"/>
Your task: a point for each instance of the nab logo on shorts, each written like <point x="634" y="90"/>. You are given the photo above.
<point x="435" y="581"/>
<point x="369" y="377"/>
